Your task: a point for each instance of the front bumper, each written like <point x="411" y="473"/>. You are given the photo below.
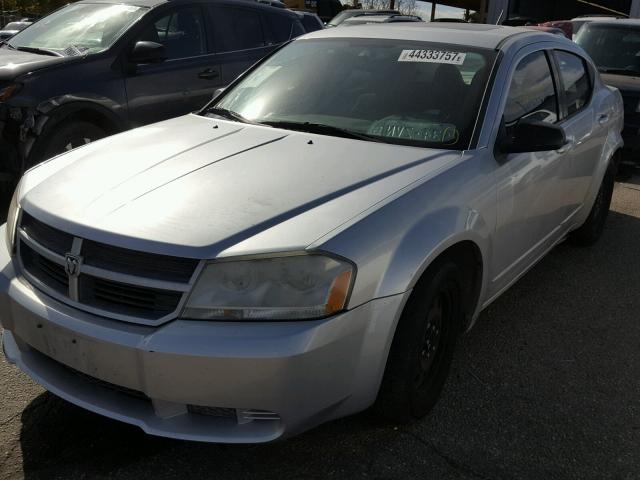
<point x="280" y="378"/>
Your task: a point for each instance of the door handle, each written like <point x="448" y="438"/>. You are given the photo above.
<point x="604" y="118"/>
<point x="209" y="74"/>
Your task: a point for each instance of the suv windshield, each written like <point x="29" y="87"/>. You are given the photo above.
<point x="393" y="91"/>
<point x="613" y="48"/>
<point x="78" y="29"/>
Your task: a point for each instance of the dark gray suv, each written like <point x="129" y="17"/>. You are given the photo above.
<point x="97" y="67"/>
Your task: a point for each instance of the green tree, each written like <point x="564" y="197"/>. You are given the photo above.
<point x="32" y="7"/>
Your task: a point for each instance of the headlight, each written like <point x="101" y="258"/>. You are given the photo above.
<point x="289" y="287"/>
<point x="9" y="91"/>
<point x="12" y="219"/>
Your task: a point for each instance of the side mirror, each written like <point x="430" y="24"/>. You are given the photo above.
<point x="217" y="92"/>
<point x="148" y="52"/>
<point x="528" y="136"/>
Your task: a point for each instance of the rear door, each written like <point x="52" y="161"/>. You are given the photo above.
<point x="245" y="34"/>
<point x="586" y="122"/>
<point x="186" y="80"/>
<point x="239" y="38"/>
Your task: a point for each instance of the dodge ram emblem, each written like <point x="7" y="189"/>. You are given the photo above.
<point x="72" y="264"/>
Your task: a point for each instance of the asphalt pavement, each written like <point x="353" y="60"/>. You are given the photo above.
<point x="547" y="385"/>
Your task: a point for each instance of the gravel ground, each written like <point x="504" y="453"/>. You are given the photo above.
<point x="547" y="385"/>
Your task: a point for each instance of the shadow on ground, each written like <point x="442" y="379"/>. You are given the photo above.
<point x="547" y="385"/>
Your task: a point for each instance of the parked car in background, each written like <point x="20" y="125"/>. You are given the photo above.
<point x="310" y="21"/>
<point x="10" y="29"/>
<point x="345" y="14"/>
<point x="578" y="22"/>
<point x="325" y="9"/>
<point x="551" y="30"/>
<point x="315" y="239"/>
<point x="90" y="69"/>
<point x="449" y="20"/>
<point x="362" y="20"/>
<point x="614" y="46"/>
<point x="565" y="25"/>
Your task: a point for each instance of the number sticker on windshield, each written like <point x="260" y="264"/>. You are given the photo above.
<point x="432" y="56"/>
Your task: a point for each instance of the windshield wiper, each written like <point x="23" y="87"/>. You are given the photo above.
<point x="39" y="51"/>
<point x="618" y="71"/>
<point x="229" y="114"/>
<point x="321" y="129"/>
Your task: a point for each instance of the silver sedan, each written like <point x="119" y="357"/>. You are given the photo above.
<point x="314" y="241"/>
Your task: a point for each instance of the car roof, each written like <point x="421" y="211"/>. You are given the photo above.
<point x="381" y="18"/>
<point x="468" y="34"/>
<point x="616" y="21"/>
<point x="155" y="3"/>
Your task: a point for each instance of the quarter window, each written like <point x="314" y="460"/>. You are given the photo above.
<point x="575" y="81"/>
<point x="181" y="32"/>
<point x="532" y="94"/>
<point x="237" y="29"/>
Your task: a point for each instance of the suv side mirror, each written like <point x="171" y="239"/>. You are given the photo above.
<point x="530" y="136"/>
<point x="148" y="52"/>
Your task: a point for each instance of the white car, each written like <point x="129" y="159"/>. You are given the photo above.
<point x="316" y="238"/>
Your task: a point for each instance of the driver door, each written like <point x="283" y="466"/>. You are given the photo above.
<point x="186" y="80"/>
<point x="532" y="200"/>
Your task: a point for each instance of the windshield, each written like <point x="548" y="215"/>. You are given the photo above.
<point x="78" y="29"/>
<point x="394" y="91"/>
<point x="613" y="48"/>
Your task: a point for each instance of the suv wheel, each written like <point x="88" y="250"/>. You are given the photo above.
<point x="64" y="137"/>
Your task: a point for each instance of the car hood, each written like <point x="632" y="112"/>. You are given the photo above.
<point x="14" y="63"/>
<point x="624" y="83"/>
<point x="201" y="187"/>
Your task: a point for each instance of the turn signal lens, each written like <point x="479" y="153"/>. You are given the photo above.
<point x="7" y="92"/>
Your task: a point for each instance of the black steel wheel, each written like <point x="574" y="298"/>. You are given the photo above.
<point x="423" y="346"/>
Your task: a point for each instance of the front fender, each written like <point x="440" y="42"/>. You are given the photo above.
<point x="394" y="245"/>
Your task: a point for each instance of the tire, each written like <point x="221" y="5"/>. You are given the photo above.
<point x="64" y="136"/>
<point x="591" y="230"/>
<point x="423" y="346"/>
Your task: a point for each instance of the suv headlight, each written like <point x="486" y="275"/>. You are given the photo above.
<point x="12" y="219"/>
<point x="283" y="288"/>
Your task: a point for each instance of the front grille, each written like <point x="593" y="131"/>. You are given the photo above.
<point x="49" y="273"/>
<point x="49" y="237"/>
<point x="131" y="299"/>
<point x="160" y="267"/>
<point x="116" y="282"/>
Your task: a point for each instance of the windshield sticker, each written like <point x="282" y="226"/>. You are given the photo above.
<point x="432" y="56"/>
<point x="393" y="127"/>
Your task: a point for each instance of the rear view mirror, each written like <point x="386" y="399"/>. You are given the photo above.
<point x="148" y="52"/>
<point x="528" y="136"/>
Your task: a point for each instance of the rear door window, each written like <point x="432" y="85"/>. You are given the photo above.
<point x="237" y="29"/>
<point x="279" y="28"/>
<point x="575" y="81"/>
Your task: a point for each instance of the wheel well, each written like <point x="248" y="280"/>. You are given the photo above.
<point x="92" y="116"/>
<point x="468" y="257"/>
